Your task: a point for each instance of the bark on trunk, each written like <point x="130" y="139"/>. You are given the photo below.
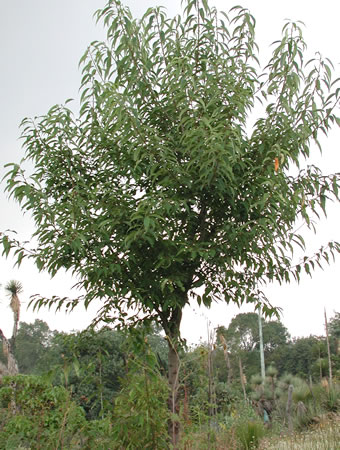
<point x="211" y="382"/>
<point x="227" y="359"/>
<point x="173" y="336"/>
<point x="289" y="408"/>
<point x="7" y="346"/>
<point x="242" y="378"/>
<point x="173" y="379"/>
<point x="329" y="354"/>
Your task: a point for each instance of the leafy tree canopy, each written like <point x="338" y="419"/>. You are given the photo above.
<point x="32" y="344"/>
<point x="275" y="334"/>
<point x="158" y="187"/>
<point x="243" y="333"/>
<point x="334" y="326"/>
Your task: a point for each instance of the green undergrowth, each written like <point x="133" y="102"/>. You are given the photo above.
<point x="36" y="414"/>
<point x="325" y="436"/>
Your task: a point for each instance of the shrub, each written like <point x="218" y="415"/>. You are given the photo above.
<point x="250" y="433"/>
<point x="37" y="414"/>
<point x="140" y="412"/>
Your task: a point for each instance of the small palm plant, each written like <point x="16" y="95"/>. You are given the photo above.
<point x="13" y="288"/>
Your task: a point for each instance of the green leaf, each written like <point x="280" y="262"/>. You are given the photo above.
<point x="323" y="203"/>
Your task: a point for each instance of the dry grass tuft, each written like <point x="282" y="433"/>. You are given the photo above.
<point x="324" y="436"/>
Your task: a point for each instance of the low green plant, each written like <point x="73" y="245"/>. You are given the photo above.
<point x="301" y="392"/>
<point x="325" y="436"/>
<point x="245" y="425"/>
<point x="239" y="411"/>
<point x="35" y="414"/>
<point x="249" y="433"/>
<point x="98" y="434"/>
<point x="332" y="399"/>
<point x="141" y="415"/>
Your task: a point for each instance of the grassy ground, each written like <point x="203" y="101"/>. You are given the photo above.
<point x="324" y="436"/>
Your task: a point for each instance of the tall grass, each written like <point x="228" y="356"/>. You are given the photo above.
<point x="325" y="436"/>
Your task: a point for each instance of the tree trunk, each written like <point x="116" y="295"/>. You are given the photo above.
<point x="263" y="369"/>
<point x="289" y="408"/>
<point x="211" y="385"/>
<point x="320" y="365"/>
<point x="227" y="359"/>
<point x="243" y="384"/>
<point x="173" y="335"/>
<point x="173" y="376"/>
<point x="7" y="346"/>
<point x="329" y="354"/>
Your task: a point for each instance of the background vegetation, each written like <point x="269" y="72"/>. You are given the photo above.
<point x="107" y="388"/>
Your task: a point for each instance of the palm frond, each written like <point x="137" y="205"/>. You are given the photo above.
<point x="14" y="287"/>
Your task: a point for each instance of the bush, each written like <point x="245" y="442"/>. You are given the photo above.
<point x="250" y="433"/>
<point x="140" y="413"/>
<point x="37" y="415"/>
<point x="245" y="425"/>
<point x="331" y="401"/>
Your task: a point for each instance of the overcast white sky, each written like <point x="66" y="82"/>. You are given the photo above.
<point x="41" y="43"/>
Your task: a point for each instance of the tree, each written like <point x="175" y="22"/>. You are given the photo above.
<point x="275" y="335"/>
<point x="242" y="338"/>
<point x="334" y="329"/>
<point x="100" y="361"/>
<point x="300" y="357"/>
<point x="13" y="288"/>
<point x="158" y="187"/>
<point x="33" y="342"/>
<point x="243" y="332"/>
